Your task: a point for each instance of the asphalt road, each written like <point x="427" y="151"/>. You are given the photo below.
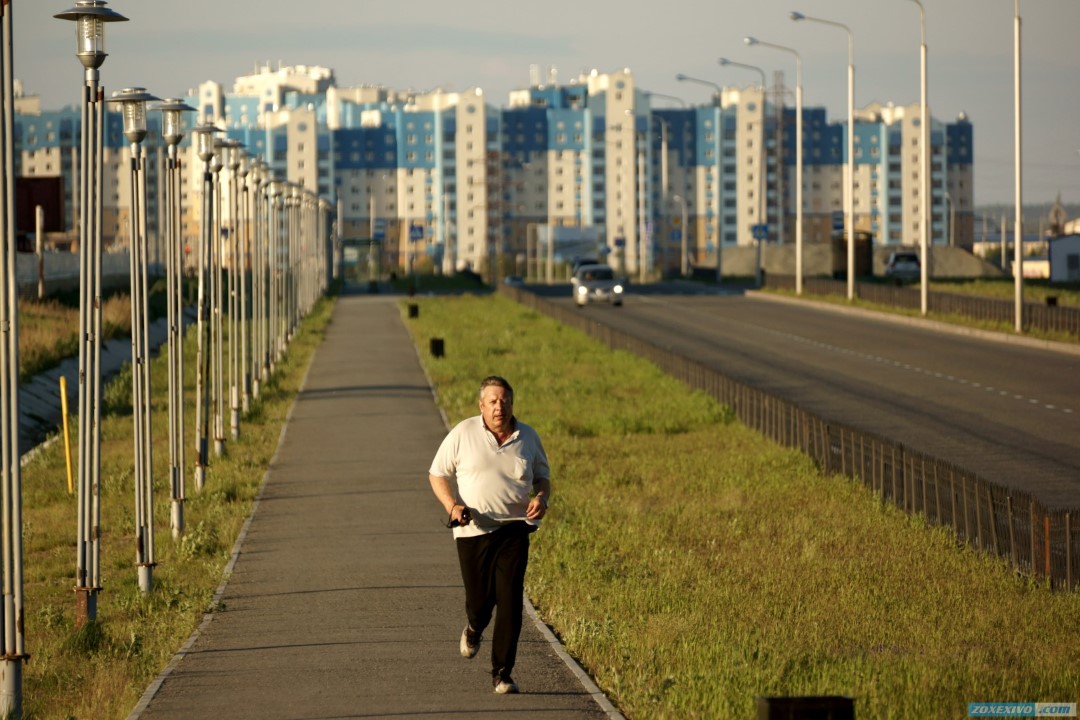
<point x="1009" y="413"/>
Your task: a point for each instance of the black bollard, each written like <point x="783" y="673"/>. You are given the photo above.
<point x="437" y="349"/>
<point x="414" y="310"/>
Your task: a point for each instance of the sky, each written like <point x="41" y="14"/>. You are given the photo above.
<point x="171" y="47"/>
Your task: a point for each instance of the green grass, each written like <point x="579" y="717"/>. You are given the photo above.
<point x="690" y="565"/>
<point x="102" y="670"/>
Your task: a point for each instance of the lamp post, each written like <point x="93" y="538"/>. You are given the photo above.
<point x="849" y="190"/>
<point x="172" y="131"/>
<point x="203" y="136"/>
<point x="14" y="640"/>
<point x="1018" y="246"/>
<point x="798" y="156"/>
<point x="719" y="206"/>
<point x="217" y="390"/>
<point x="90" y="17"/>
<point x="243" y="242"/>
<point x="924" y="161"/>
<point x="132" y="102"/>
<point x="232" y="151"/>
<point x="762" y="208"/>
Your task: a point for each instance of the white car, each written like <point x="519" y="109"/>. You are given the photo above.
<point x="596" y="283"/>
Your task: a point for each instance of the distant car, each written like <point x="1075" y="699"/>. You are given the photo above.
<point x="515" y="280"/>
<point x="596" y="283"/>
<point x="581" y="260"/>
<point x="903" y="265"/>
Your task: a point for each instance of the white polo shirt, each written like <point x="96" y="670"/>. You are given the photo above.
<point x="494" y="481"/>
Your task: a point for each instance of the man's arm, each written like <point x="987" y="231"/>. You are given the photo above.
<point x="445" y="495"/>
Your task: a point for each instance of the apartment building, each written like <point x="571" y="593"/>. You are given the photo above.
<point x="449" y="180"/>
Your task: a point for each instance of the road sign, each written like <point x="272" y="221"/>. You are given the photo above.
<point x="761" y="231"/>
<point x="620" y="242"/>
<point x="416" y="232"/>
<point x="838" y="220"/>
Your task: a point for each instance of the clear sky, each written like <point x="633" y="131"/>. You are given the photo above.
<point x="170" y="47"/>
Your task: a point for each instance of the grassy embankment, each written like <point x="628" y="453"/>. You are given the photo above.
<point x="101" y="671"/>
<point x="49" y="331"/>
<point x="690" y="565"/>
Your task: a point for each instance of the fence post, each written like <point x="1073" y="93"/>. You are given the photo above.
<point x="1068" y="552"/>
<point x="967" y="519"/>
<point x="991" y="518"/>
<point x="937" y="496"/>
<point x="922" y="479"/>
<point x="1031" y="522"/>
<point x="1012" y="539"/>
<point x="1046" y="549"/>
<point x="978" y="520"/>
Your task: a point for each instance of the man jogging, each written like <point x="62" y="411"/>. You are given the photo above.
<point x="492" y="477"/>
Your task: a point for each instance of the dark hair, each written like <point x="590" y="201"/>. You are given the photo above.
<point x="497" y="381"/>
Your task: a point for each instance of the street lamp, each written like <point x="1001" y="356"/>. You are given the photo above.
<point x="924" y="161"/>
<point x="762" y="209"/>
<point x="203" y="138"/>
<point x="719" y="206"/>
<point x="1018" y="255"/>
<point x="132" y="102"/>
<point x="14" y="650"/>
<point x="232" y="152"/>
<point x="90" y="17"/>
<point x="849" y="190"/>
<point x="172" y="132"/>
<point x="798" y="156"/>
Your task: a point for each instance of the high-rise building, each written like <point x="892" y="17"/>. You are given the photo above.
<point x="447" y="181"/>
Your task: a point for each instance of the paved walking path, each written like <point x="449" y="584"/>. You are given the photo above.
<point x="345" y="599"/>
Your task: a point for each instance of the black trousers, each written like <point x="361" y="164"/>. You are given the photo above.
<point x="493" y="570"/>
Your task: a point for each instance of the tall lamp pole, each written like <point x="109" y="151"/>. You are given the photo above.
<point x="849" y="190"/>
<point x="719" y="206"/>
<point x="204" y="147"/>
<point x="132" y="102"/>
<point x="14" y="639"/>
<point x="1018" y="245"/>
<point x="90" y="17"/>
<point x="798" y="156"/>
<point x="762" y="206"/>
<point x="924" y="161"/>
<point x="172" y="132"/>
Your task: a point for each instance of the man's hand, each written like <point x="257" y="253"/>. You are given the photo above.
<point x="537" y="508"/>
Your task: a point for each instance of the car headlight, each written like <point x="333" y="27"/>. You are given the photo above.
<point x="582" y="290"/>
<point x="617" y="289"/>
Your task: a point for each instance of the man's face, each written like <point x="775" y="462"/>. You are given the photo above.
<point x="497" y="408"/>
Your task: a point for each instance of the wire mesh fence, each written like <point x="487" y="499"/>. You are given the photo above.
<point x="1039" y="542"/>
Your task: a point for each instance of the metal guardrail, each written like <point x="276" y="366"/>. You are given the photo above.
<point x="1037" y="316"/>
<point x="1042" y="543"/>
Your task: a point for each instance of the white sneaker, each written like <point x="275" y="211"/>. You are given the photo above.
<point x="505" y="685"/>
<point x="470" y="642"/>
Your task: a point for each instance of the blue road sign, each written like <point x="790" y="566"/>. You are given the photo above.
<point x="838" y="220"/>
<point x="416" y="232"/>
<point x="761" y="231"/>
